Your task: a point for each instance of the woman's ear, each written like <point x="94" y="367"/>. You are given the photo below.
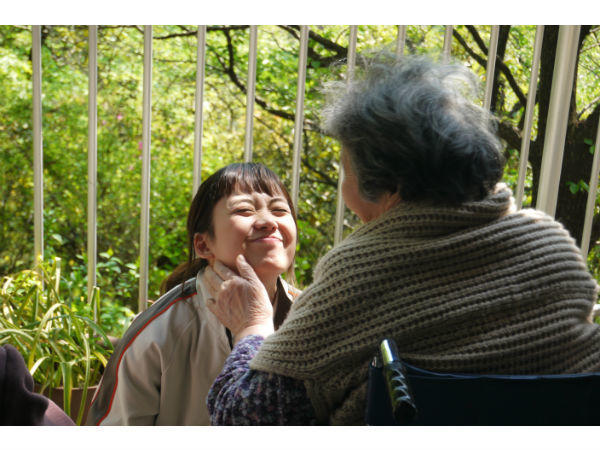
<point x="201" y="246"/>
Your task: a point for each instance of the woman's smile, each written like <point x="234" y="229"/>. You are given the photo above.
<point x="272" y="239"/>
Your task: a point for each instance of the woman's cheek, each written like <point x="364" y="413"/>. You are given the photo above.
<point x="291" y="252"/>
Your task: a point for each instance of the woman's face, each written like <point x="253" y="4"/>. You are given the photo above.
<point x="364" y="209"/>
<point x="257" y="225"/>
<point x="352" y="198"/>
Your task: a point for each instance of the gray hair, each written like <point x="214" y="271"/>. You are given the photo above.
<point x="411" y="127"/>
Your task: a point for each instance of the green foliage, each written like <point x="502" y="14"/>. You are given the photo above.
<point x="588" y="88"/>
<point x="579" y="186"/>
<point x="60" y="336"/>
<point x="16" y="166"/>
<point x="120" y="63"/>
<point x="511" y="176"/>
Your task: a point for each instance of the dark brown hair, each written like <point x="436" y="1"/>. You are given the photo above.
<point x="243" y="177"/>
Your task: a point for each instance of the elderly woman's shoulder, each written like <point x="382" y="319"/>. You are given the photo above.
<point x="538" y="217"/>
<point x="535" y="214"/>
<point x="538" y="226"/>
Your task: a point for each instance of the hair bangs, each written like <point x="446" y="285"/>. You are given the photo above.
<point x="248" y="178"/>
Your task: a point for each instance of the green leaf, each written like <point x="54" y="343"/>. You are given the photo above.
<point x="37" y="364"/>
<point x="101" y="358"/>
<point x="17" y="332"/>
<point x="573" y="187"/>
<point x="584" y="186"/>
<point x="97" y="329"/>
<point x="67" y="383"/>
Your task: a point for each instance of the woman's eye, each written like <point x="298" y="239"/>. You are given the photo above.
<point x="281" y="210"/>
<point x="242" y="210"/>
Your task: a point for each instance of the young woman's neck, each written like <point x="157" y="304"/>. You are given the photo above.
<point x="270" y="283"/>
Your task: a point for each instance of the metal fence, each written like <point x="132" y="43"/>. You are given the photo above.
<point x="554" y="138"/>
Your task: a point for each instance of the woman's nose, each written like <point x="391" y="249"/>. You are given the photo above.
<point x="265" y="221"/>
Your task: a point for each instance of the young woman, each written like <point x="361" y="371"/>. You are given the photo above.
<point x="172" y="352"/>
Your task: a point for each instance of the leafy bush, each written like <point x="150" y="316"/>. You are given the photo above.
<point x="61" y="337"/>
<point x="117" y="281"/>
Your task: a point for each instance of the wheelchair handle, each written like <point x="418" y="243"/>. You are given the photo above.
<point x="403" y="406"/>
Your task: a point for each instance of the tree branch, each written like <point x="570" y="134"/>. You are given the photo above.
<point x="185" y="33"/>
<point x="511" y="134"/>
<point x="469" y="50"/>
<point x="339" y="51"/>
<point x="498" y="96"/>
<point x="477" y="38"/>
<point x="230" y="71"/>
<point x="589" y="106"/>
<point x="208" y="30"/>
<point x="483" y="61"/>
<point x="326" y="43"/>
<point x="590" y="124"/>
<point x="326" y="179"/>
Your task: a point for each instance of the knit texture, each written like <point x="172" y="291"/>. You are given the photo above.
<point x="475" y="288"/>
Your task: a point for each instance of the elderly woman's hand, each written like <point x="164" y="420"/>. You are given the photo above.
<point x="240" y="302"/>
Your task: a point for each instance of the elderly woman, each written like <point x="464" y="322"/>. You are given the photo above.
<point x="444" y="264"/>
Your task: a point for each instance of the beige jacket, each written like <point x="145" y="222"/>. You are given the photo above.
<point x="163" y="367"/>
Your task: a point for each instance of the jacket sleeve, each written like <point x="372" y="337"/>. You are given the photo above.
<point x="129" y="392"/>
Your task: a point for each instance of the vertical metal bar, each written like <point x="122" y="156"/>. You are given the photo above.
<point x="145" y="201"/>
<point x="447" y="44"/>
<point x="250" y="92"/>
<point x="38" y="153"/>
<point x="299" y="124"/>
<point x="400" y="41"/>
<point x="92" y="155"/>
<point x="339" y="212"/>
<point x="558" y="115"/>
<point x="526" y="138"/>
<point x="491" y="66"/>
<point x="199" y="100"/>
<point x="591" y="200"/>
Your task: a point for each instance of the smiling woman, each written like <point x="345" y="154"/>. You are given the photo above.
<point x="173" y="351"/>
<point x="259" y="226"/>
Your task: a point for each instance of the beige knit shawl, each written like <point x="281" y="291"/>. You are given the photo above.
<point x="475" y="288"/>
